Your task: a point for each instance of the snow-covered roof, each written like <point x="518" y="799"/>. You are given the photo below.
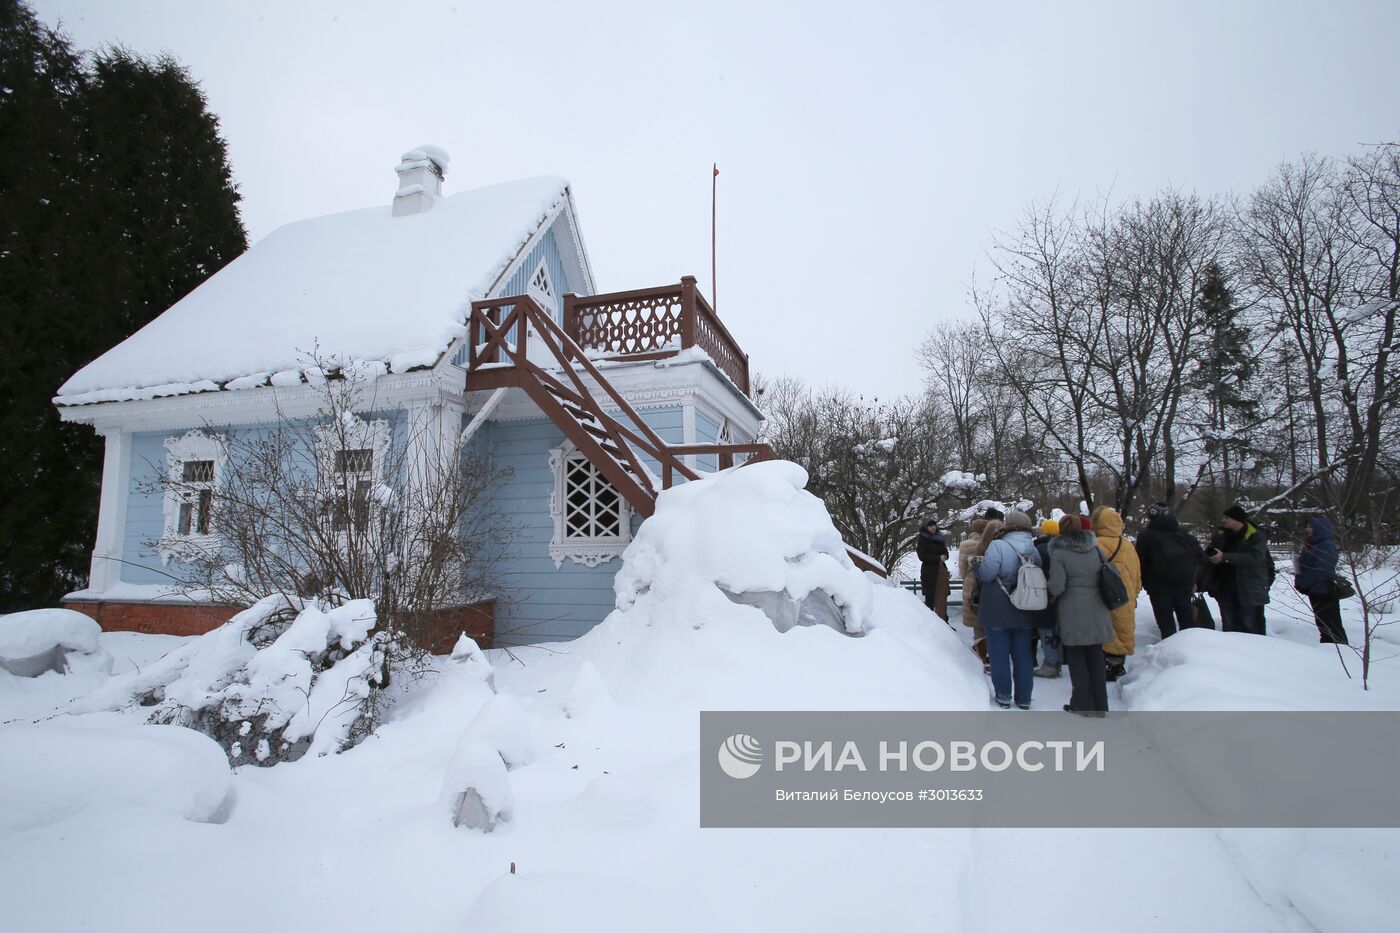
<point x="359" y="286"/>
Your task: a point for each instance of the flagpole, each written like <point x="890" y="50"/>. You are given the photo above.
<point x="714" y="190"/>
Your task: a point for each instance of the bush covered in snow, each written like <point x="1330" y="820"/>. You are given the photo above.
<point x="43" y="640"/>
<point x="273" y="683"/>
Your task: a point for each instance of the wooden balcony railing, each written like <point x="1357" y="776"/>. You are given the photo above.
<point x="653" y="323"/>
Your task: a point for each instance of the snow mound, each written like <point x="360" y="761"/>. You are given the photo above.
<point x="752" y="530"/>
<point x="1203" y="669"/>
<point x="271" y="684"/>
<point x="55" y="773"/>
<point x="694" y="626"/>
<point x="42" y="640"/>
<point x="476" y="788"/>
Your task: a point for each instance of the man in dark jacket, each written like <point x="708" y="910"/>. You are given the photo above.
<point x="1317" y="565"/>
<point x="1242" y="552"/>
<point x="932" y="549"/>
<point x="1170" y="558"/>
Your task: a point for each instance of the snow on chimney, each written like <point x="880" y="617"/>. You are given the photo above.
<point x="420" y="179"/>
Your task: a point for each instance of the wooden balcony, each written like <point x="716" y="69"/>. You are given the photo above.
<point x="654" y="323"/>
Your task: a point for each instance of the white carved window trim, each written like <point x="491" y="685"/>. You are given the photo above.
<point x="192" y="446"/>
<point x="541" y="288"/>
<point x="362" y="435"/>
<point x="589" y="551"/>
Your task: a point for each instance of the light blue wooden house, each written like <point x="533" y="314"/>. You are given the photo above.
<point x="478" y="314"/>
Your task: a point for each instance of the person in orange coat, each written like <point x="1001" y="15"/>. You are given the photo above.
<point x="1108" y="529"/>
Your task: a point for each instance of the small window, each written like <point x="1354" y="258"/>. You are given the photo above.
<point x="542" y="290"/>
<point x="354" y="480"/>
<point x="350" y="464"/>
<point x="191" y="480"/>
<point x="592" y="522"/>
<point x="592" y="508"/>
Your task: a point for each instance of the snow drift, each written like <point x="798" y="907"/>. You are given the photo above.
<point x="738" y="593"/>
<point x="55" y="773"/>
<point x="43" y="640"/>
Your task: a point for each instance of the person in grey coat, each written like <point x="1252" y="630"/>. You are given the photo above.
<point x="1085" y="621"/>
<point x="1008" y="628"/>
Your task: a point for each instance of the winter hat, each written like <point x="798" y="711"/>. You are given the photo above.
<point x="1049" y="527"/>
<point x="1238" y="514"/>
<point x="1158" y="508"/>
<point x="1017" y="521"/>
<point x="1085" y="524"/>
<point x="979" y="525"/>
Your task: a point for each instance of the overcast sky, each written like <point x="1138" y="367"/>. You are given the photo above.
<point x="865" y="149"/>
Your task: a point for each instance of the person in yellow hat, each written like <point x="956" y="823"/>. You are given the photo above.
<point x="1046" y="632"/>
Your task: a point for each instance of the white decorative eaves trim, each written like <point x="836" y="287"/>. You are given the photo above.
<point x="577" y="236"/>
<point x="262" y="405"/>
<point x="522" y="409"/>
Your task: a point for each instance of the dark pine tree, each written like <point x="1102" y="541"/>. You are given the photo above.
<point x="163" y="184"/>
<point x="116" y="199"/>
<point x="49" y="508"/>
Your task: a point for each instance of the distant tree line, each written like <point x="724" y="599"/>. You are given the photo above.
<point x="116" y="199"/>
<point x="1188" y="349"/>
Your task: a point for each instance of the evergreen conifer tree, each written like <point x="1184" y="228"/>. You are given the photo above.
<point x="1225" y="376"/>
<point x="115" y="200"/>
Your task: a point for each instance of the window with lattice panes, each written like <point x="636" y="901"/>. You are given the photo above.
<point x="194" y="468"/>
<point x="196" y="497"/>
<point x="592" y="508"/>
<point x="354" y="478"/>
<point x="592" y="522"/>
<point x="542" y="290"/>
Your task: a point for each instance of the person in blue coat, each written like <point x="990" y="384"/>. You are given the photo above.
<point x="1009" y="643"/>
<point x="1317" y="565"/>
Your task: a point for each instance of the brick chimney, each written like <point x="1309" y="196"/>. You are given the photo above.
<point x="420" y="174"/>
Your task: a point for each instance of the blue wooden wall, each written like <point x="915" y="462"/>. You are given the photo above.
<point x="519" y="282"/>
<point x="537" y="601"/>
<point x="145" y="514"/>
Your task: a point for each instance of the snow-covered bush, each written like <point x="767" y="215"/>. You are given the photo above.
<point x="43" y="640"/>
<point x="273" y="683"/>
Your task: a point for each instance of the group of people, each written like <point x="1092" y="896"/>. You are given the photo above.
<point x="1077" y="629"/>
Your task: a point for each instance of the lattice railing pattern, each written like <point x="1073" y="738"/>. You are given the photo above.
<point x="656" y="321"/>
<point x="644" y="324"/>
<point x="727" y="356"/>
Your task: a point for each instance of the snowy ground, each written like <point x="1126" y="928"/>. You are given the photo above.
<point x="604" y="834"/>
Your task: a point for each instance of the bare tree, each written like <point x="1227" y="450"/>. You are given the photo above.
<point x="878" y="467"/>
<point x="346" y="504"/>
<point x="1321" y="244"/>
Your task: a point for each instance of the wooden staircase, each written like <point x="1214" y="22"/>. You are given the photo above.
<point x="514" y="343"/>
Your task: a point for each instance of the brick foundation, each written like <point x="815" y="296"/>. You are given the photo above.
<point x="155" y="618"/>
<point x="438" y="631"/>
